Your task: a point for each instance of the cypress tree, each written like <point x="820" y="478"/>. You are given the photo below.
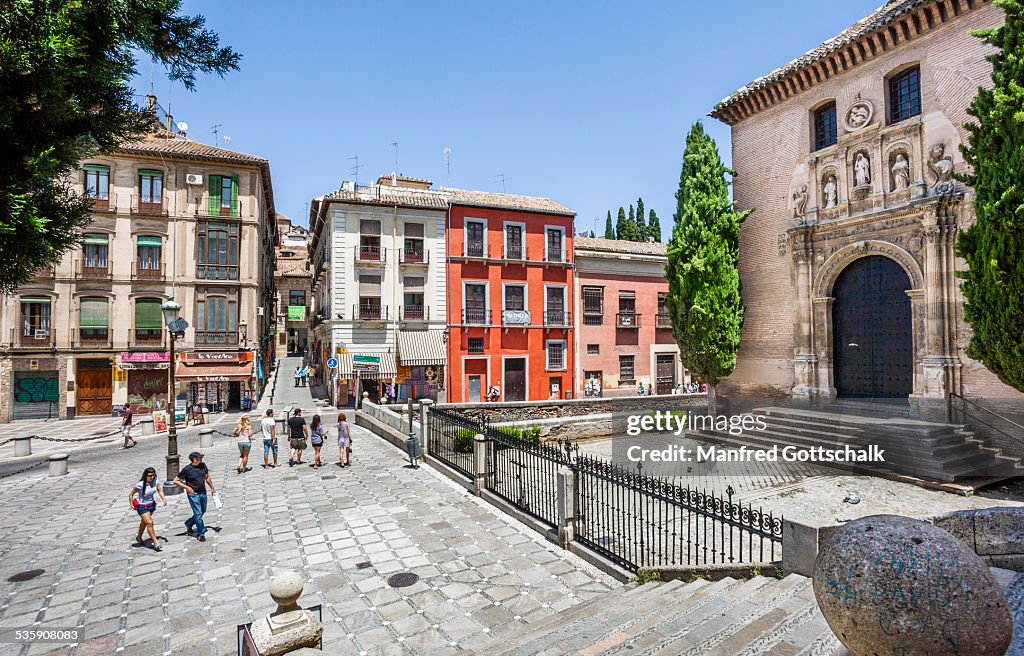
<point x="641" y="227"/>
<point x="623" y="227"/>
<point x="993" y="247"/>
<point x="704" y="283"/>
<point x="609" y="228"/>
<point x="634" y="233"/>
<point x="654" y="227"/>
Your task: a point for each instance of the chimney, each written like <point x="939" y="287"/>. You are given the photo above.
<point x="394" y="179"/>
<point x="151" y="104"/>
<point x="170" y="123"/>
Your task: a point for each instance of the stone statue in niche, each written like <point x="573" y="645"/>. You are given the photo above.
<point x="831" y="192"/>
<point x="941" y="166"/>
<point x="901" y="173"/>
<point x="800" y="204"/>
<point x="862" y="170"/>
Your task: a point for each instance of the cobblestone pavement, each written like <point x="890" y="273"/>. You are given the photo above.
<point x="478" y="569"/>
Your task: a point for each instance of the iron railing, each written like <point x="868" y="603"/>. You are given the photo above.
<point x="406" y="256"/>
<point x="147" y="338"/>
<point x="627" y="320"/>
<point x="33" y="337"/>
<point x="369" y="254"/>
<point x="451" y="440"/>
<point x="526" y="472"/>
<point x="477" y="249"/>
<point x="413" y="313"/>
<point x="664" y="320"/>
<point x="370" y="312"/>
<point x="214" y="337"/>
<point x="556" y="318"/>
<point x="96" y="338"/>
<point x="476" y="317"/>
<point x="514" y="251"/>
<point x="991" y="427"/>
<point x="93" y="270"/>
<point x="149" y="270"/>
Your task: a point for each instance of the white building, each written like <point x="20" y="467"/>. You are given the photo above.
<point x="378" y="259"/>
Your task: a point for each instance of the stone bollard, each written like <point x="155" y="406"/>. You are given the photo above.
<point x="146" y="425"/>
<point x="58" y="464"/>
<point x="22" y="445"/>
<point x="206" y="438"/>
<point x="566" y="505"/>
<point x="289" y="628"/>
<point x="480" y="473"/>
<point x="425" y="425"/>
<point x="366" y="396"/>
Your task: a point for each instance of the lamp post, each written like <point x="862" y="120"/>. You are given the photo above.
<point x="176" y="328"/>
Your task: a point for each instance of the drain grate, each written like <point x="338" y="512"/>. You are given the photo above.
<point x="26" y="576"/>
<point x="402" y="579"/>
<point x="364" y="565"/>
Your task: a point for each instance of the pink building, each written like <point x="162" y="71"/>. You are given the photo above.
<point x="623" y="332"/>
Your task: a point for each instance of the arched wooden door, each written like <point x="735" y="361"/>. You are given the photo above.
<point x="872" y="328"/>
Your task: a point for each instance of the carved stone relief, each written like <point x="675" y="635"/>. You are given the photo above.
<point x="941" y="166"/>
<point x="800" y="205"/>
<point x="858" y="115"/>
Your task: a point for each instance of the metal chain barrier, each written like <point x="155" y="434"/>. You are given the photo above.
<point x="71" y="440"/>
<point x="22" y="471"/>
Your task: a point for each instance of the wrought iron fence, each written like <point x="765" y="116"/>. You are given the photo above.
<point x="640" y="521"/>
<point x="526" y="471"/>
<point x="451" y="440"/>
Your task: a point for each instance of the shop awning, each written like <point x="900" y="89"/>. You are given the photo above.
<point x="421" y="347"/>
<point x="208" y="372"/>
<point x="367" y="365"/>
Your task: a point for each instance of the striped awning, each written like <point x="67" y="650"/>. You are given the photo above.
<point x="385" y="369"/>
<point x="421" y="347"/>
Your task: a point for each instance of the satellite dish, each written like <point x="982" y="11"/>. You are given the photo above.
<point x="182" y="126"/>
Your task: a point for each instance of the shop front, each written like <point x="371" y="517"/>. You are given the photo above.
<point x="421" y="359"/>
<point x="147" y="374"/>
<point x="217" y="382"/>
<point x="373" y="373"/>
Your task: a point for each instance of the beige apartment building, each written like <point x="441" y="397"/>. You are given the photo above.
<point x="172" y="218"/>
<point x="847" y="155"/>
<point x="293" y="280"/>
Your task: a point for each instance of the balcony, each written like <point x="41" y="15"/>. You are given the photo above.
<point x="217" y="271"/>
<point x="555" y="257"/>
<point x="232" y="210"/>
<point x="92" y="270"/>
<point x="413" y="258"/>
<point x="371" y="255"/>
<point x="216" y="337"/>
<point x="556" y="319"/>
<point x="476" y="317"/>
<point x="148" y="270"/>
<point x="106" y="205"/>
<point x="154" y="338"/>
<point x="414" y="313"/>
<point x="148" y="206"/>
<point x="627" y="320"/>
<point x="515" y="253"/>
<point x="91" y="338"/>
<point x="593" y="317"/>
<point x="375" y="313"/>
<point x="515" y="318"/>
<point x="663" y="320"/>
<point x="478" y="250"/>
<point x="32" y="338"/>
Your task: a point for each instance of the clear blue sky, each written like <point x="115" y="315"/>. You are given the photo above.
<point x="587" y="103"/>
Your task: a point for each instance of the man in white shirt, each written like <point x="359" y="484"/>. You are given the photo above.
<point x="269" y="428"/>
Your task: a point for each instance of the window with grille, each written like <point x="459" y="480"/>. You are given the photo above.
<point x="216" y="315"/>
<point x="513" y="242"/>
<point x="593" y="306"/>
<point x="555" y="245"/>
<point x="218" y="250"/>
<point x="475" y="345"/>
<point x="593" y="349"/>
<point x="515" y="297"/>
<point x="475" y="246"/>
<point x="905" y="95"/>
<point x="297" y="297"/>
<point x="626" y="370"/>
<point x="413" y="247"/>
<point x="556" y="355"/>
<point x="825" y="130"/>
<point x="369" y="240"/>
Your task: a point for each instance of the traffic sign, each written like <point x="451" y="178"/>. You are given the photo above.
<point x="332" y="363"/>
<point x="366" y="359"/>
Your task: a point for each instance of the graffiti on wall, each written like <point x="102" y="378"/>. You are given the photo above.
<point x="37" y="389"/>
<point x="147" y="390"/>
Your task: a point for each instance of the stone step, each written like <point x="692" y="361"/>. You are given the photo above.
<point x="946" y="436"/>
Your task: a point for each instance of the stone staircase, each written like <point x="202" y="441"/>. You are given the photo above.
<point x="728" y="617"/>
<point x="923" y="450"/>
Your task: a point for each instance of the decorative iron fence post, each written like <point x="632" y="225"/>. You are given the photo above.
<point x="481" y="476"/>
<point x="566" y="489"/>
<point x="425" y="425"/>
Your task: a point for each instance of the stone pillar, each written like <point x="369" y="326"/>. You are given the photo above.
<point x="146" y="425"/>
<point x="289" y="628"/>
<point x="825" y="382"/>
<point x="805" y="359"/>
<point x="425" y="405"/>
<point x="58" y="463"/>
<point x="22" y="445"/>
<point x="206" y="438"/>
<point x="566" y="505"/>
<point x="481" y="477"/>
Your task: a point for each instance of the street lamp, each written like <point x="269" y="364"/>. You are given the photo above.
<point x="176" y="328"/>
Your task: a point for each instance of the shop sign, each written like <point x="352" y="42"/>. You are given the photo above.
<point x="366" y="359"/>
<point x="201" y="356"/>
<point x="210" y="379"/>
<point x="138" y="365"/>
<point x="296" y="313"/>
<point x="145" y="356"/>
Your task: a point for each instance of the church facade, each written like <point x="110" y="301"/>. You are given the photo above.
<point x="848" y="156"/>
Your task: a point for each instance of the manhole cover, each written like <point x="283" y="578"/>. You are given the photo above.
<point x="26" y="576"/>
<point x="402" y="579"/>
<point x="364" y="565"/>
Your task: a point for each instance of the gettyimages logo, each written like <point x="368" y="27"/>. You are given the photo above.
<point x="679" y="422"/>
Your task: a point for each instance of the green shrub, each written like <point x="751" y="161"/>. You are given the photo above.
<point x="464" y="440"/>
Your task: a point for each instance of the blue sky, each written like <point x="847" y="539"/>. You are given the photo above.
<point x="587" y="103"/>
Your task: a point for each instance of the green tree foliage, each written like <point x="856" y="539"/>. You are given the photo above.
<point x="994" y="246"/>
<point x="64" y="96"/>
<point x="641" y="226"/>
<point x="609" y="227"/>
<point x="654" y="227"/>
<point x="704" y="283"/>
<point x="625" y="228"/>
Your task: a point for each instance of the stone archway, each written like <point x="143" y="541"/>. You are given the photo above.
<point x="872" y="331"/>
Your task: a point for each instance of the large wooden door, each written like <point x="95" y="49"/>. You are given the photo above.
<point x="515" y="379"/>
<point x="93" y="387"/>
<point x="666" y="373"/>
<point x="873" y="345"/>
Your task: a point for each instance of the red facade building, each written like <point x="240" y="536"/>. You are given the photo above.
<point x="510" y="297"/>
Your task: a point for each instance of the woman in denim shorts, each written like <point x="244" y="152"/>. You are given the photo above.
<point x="243" y="433"/>
<point x="142" y="498"/>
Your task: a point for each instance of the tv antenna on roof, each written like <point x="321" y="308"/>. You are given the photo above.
<point x="214" y="130"/>
<point x="501" y="176"/>
<point x="355" y="169"/>
<point x="447" y="152"/>
<point x="395" y="144"/>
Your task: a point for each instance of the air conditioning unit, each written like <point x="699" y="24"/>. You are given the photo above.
<point x="259" y="311"/>
<point x="194" y="178"/>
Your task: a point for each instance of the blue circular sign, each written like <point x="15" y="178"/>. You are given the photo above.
<point x="332" y="363"/>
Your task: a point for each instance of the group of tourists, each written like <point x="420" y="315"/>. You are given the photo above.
<point x="302" y="375"/>
<point x="194" y="479"/>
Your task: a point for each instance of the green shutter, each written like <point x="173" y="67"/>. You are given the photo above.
<point x="147" y="314"/>
<point x="97" y="168"/>
<point x="151" y="172"/>
<point x="35" y="299"/>
<point x="151" y="241"/>
<point x="214" y="204"/>
<point x="234" y="195"/>
<point x="93" y="313"/>
<point x="93" y="238"/>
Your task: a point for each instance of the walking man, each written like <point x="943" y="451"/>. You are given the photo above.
<point x="269" y="428"/>
<point x="193" y="479"/>
<point x="298" y="376"/>
<point x="126" y="427"/>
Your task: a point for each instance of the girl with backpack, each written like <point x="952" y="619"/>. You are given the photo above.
<point x="143" y="501"/>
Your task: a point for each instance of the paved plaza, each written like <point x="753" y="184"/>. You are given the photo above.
<point x="478" y="569"/>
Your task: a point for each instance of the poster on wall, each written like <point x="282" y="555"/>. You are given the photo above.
<point x="159" y="420"/>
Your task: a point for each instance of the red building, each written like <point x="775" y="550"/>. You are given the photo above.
<point x="510" y="297"/>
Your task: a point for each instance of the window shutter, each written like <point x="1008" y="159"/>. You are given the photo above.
<point x="213" y="208"/>
<point x="369" y="285"/>
<point x="414" y="283"/>
<point x="93" y="313"/>
<point x="234" y="195"/>
<point x="414" y="230"/>
<point x="96" y="168"/>
<point x="151" y="241"/>
<point x="98" y="239"/>
<point x="147" y="314"/>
